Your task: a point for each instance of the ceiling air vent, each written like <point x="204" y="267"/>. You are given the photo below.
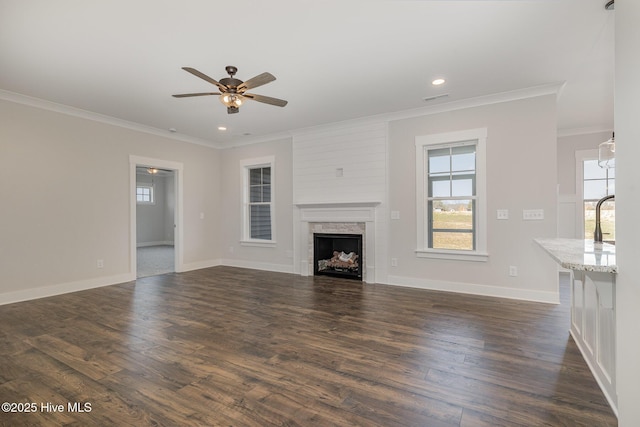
<point x="432" y="98"/>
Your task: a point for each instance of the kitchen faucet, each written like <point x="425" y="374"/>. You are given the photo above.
<point x="597" y="234"/>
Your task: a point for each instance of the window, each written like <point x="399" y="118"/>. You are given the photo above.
<point x="258" y="206"/>
<point x="144" y="194"/>
<point x="260" y="203"/>
<point x="450" y="184"/>
<point x="597" y="183"/>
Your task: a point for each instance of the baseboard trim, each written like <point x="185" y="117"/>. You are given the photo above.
<point x="147" y="244"/>
<point x="63" y="288"/>
<point x="475" y="289"/>
<point x="435" y="285"/>
<point x="198" y="265"/>
<point x="277" y="268"/>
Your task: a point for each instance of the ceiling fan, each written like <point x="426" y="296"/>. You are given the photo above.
<point x="151" y="170"/>
<point x="233" y="91"/>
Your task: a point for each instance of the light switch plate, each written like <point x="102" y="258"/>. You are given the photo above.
<point x="395" y="214"/>
<point x="503" y="214"/>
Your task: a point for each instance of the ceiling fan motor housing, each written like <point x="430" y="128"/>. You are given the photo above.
<point x="231" y="83"/>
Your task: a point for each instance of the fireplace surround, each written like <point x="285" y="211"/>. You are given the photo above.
<point x="335" y="218"/>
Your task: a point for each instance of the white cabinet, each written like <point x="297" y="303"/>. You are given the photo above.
<point x="593" y="304"/>
<point x="593" y="325"/>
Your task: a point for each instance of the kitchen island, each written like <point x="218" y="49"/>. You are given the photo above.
<point x="593" y="274"/>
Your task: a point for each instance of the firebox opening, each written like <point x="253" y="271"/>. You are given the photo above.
<point x="338" y="255"/>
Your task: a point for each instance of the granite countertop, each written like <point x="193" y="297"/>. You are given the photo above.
<point x="584" y="255"/>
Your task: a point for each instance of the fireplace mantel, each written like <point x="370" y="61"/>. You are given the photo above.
<point x="337" y="211"/>
<point x="329" y="205"/>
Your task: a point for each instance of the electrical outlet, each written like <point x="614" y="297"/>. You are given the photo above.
<point x="395" y="214"/>
<point x="513" y="271"/>
<point x="100" y="263"/>
<point x="533" y="214"/>
<point x="394" y="262"/>
<point x="503" y="214"/>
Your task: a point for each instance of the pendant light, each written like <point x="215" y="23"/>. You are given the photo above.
<point x="607" y="153"/>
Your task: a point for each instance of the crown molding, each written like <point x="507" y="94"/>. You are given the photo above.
<point x="583" y="131"/>
<point x="514" y="95"/>
<point x="496" y="98"/>
<point x="532" y="92"/>
<point x="250" y="140"/>
<point x="102" y="118"/>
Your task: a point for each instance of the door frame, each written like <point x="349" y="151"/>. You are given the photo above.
<point x="177" y="168"/>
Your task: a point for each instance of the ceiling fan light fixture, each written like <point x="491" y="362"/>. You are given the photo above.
<point x="231" y="99"/>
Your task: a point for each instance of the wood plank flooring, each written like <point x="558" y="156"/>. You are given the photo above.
<point x="235" y="347"/>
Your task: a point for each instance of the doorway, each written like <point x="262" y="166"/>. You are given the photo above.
<point x="155" y="220"/>
<point x="156" y="206"/>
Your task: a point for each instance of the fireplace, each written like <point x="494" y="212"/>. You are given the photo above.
<point x="338" y="255"/>
<point x="336" y="218"/>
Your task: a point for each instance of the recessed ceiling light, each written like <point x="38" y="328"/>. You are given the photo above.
<point x="173" y="130"/>
<point x="222" y="128"/>
<point x="438" y="82"/>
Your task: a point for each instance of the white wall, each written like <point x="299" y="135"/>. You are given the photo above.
<point x="280" y="257"/>
<point x="376" y="159"/>
<point x="627" y="112"/>
<point x="521" y="174"/>
<point x="56" y="223"/>
<point x="357" y="152"/>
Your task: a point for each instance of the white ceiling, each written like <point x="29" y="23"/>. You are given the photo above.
<point x="333" y="60"/>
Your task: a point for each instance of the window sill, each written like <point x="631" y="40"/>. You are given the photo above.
<point x="454" y="255"/>
<point x="259" y="243"/>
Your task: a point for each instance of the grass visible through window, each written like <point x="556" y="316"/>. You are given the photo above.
<point x="458" y="220"/>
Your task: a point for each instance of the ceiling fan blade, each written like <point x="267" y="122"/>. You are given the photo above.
<point x="266" y="99"/>
<point x="205" y="77"/>
<point x="185" y="95"/>
<point x="259" y="80"/>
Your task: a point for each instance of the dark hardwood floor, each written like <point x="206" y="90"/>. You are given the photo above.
<point x="235" y="347"/>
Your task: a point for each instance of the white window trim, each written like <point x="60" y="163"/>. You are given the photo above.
<point x="245" y="165"/>
<point x="423" y="141"/>
<point x="581" y="157"/>
<point x="152" y="194"/>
